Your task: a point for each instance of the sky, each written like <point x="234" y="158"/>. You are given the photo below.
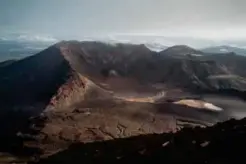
<point x="213" y="20"/>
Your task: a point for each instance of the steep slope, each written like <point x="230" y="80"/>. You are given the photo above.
<point x="196" y="74"/>
<point x="6" y="63"/>
<point x="234" y="62"/>
<point x="51" y="77"/>
<point x="48" y="82"/>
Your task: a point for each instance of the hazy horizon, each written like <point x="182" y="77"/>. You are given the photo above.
<point x="198" y="23"/>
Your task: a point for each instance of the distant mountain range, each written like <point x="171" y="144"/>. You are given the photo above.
<point x="224" y="49"/>
<point x="22" y="47"/>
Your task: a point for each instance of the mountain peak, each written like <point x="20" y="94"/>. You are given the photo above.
<point x="180" y="50"/>
<point x="52" y="78"/>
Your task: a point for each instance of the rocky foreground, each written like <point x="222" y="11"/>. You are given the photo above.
<point x="222" y="143"/>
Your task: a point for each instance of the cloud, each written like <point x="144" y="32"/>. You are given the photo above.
<point x="27" y="37"/>
<point x="36" y="38"/>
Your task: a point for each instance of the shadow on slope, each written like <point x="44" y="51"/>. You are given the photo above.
<point x="26" y="89"/>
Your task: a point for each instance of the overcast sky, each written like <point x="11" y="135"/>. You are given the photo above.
<point x="69" y="19"/>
